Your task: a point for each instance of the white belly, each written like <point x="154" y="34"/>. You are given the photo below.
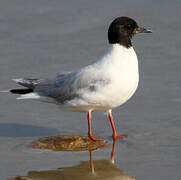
<point x="107" y="98"/>
<point x="124" y="93"/>
<point x="102" y="104"/>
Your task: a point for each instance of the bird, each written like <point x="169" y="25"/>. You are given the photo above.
<point x="99" y="87"/>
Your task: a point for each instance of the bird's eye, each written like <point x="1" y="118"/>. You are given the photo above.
<point x="128" y="26"/>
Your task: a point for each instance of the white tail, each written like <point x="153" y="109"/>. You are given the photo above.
<point x="29" y="96"/>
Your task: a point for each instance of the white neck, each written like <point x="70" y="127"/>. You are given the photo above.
<point x="119" y="56"/>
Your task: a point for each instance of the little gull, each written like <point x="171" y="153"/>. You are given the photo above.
<point x="99" y="87"/>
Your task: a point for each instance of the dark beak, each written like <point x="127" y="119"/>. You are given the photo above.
<point x="142" y="30"/>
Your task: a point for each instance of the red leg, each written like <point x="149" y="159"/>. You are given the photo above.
<point x="115" y="136"/>
<point x="89" y="128"/>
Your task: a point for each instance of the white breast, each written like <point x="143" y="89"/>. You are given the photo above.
<point x="121" y="65"/>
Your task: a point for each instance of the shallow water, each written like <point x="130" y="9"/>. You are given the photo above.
<point x="40" y="38"/>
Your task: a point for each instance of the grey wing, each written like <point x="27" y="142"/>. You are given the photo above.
<point x="28" y="82"/>
<point x="32" y="83"/>
<point x="59" y="88"/>
<point x="71" y="85"/>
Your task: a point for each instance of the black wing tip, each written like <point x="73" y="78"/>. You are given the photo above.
<point x="21" y="91"/>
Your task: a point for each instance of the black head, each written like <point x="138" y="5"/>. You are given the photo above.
<point x="122" y="29"/>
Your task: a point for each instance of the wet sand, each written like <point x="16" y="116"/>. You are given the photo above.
<point x="41" y="38"/>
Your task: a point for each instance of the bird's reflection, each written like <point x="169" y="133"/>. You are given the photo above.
<point x="87" y="170"/>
